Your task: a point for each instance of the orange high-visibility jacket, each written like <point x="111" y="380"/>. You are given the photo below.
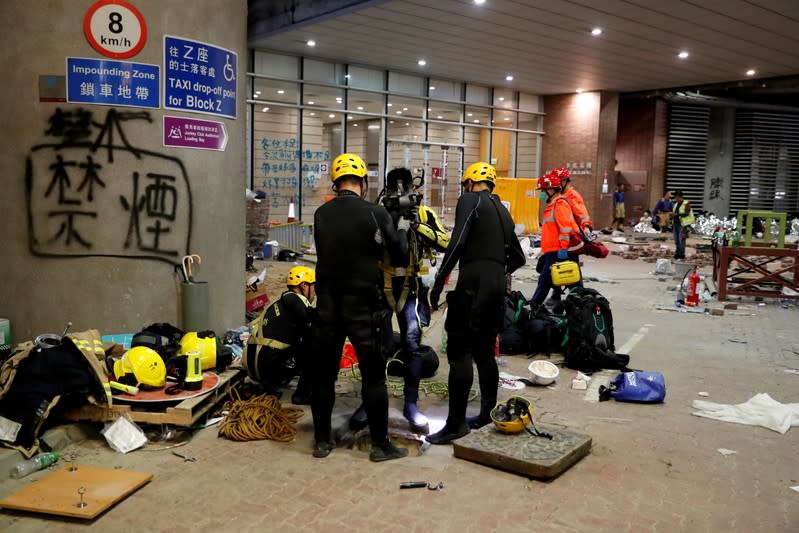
<point x="557" y="226"/>
<point x="577" y="204"/>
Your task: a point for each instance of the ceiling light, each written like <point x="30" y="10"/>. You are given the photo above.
<point x="360" y="108"/>
<point x="265" y="109"/>
<point x="313" y="114"/>
<point x="257" y="93"/>
<point x="439" y="117"/>
<point x="468" y="114"/>
<point x="373" y="126"/>
<point x="479" y="2"/>
<point x="310" y="42"/>
<point x="508" y="78"/>
<point x="338" y="99"/>
<point x="399" y="112"/>
<point x="429" y="108"/>
<point x="407" y="123"/>
<point x="507" y="118"/>
<point x="422" y="62"/>
<point x="331" y="115"/>
<point x="346" y="76"/>
<point x="501" y="98"/>
<point x="390" y="104"/>
<point x="356" y="124"/>
<point x="280" y="91"/>
<point x="391" y="122"/>
<point x="751" y="72"/>
<point x="349" y="117"/>
<point x="310" y="102"/>
<point x="432" y="87"/>
<point x="579" y="90"/>
<point x="683" y="54"/>
<point x="596" y="31"/>
<point x="476" y="121"/>
<point x="404" y="108"/>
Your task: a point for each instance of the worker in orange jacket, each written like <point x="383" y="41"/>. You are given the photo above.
<point x="557" y="229"/>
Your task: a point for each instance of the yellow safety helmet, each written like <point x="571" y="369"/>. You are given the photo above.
<point x="480" y="171"/>
<point x="513" y="415"/>
<point x="347" y="165"/>
<point x="203" y="343"/>
<point x="300" y="274"/>
<point x="141" y="366"/>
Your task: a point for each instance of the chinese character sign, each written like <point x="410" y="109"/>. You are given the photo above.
<point x="108" y="82"/>
<point x="81" y="203"/>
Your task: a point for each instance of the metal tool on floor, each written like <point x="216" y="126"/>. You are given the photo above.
<point x="421" y="485"/>
<point x="186" y="458"/>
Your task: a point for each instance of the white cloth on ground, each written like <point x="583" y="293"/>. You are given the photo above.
<point x="760" y="410"/>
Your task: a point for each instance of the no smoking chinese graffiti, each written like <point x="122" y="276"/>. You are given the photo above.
<point x="92" y="192"/>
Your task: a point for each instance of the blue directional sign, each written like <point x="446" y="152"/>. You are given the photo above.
<point x="199" y="77"/>
<point x="110" y="82"/>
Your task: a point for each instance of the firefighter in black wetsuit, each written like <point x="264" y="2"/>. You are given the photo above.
<point x="350" y="235"/>
<point x="276" y="352"/>
<point x="487" y="247"/>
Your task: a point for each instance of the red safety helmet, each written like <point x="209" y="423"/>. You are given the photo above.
<point x="550" y="181"/>
<point x="563" y="174"/>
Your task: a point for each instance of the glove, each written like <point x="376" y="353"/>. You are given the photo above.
<point x="589" y="234"/>
<point x="563" y="254"/>
<point x="435" y="295"/>
<point x="403" y="224"/>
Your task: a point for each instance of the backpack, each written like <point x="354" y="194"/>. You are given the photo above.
<point x="589" y="344"/>
<point x="513" y="339"/>
<point x="545" y="331"/>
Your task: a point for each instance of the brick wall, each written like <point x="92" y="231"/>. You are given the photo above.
<point x="641" y="142"/>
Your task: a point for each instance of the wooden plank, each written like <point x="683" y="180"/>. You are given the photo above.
<point x="58" y="494"/>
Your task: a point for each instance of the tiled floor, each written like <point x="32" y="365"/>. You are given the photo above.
<point x="652" y="467"/>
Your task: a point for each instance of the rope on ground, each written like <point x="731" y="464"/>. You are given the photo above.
<point x="259" y="418"/>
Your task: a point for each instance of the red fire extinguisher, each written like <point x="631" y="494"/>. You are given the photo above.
<point x="692" y="297"/>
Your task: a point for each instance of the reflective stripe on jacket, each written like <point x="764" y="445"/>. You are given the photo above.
<point x="577" y="204"/>
<point x="686" y="219"/>
<point x="557" y="226"/>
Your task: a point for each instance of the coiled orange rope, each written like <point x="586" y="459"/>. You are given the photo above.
<point x="259" y="418"/>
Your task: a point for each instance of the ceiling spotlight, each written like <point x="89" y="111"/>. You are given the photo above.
<point x="479" y="2"/>
<point x="432" y="87"/>
<point x="338" y="99"/>
<point x="579" y="91"/>
<point x="429" y="108"/>
<point x="390" y="104"/>
<point x="596" y="31"/>
<point x="439" y="117"/>
<point x="508" y="78"/>
<point x="421" y="62"/>
<point x="310" y="42"/>
<point x="507" y="118"/>
<point x="750" y="72"/>
<point x="501" y="98"/>
<point x="346" y="76"/>
<point x="280" y="91"/>
<point x="257" y="93"/>
<point x="313" y="114"/>
<point x="310" y="102"/>
<point x="332" y="115"/>
<point x="355" y="124"/>
<point x="404" y="108"/>
<point x="468" y="114"/>
<point x="683" y="54"/>
<point x="407" y="123"/>
<point x="476" y="121"/>
<point x="265" y="109"/>
<point x="360" y="108"/>
<point x="349" y="117"/>
<point x="391" y="122"/>
<point x="399" y="112"/>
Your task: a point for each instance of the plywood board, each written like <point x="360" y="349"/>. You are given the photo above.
<point x="58" y="493"/>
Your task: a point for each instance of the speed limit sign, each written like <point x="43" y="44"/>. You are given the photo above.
<point x="115" y="28"/>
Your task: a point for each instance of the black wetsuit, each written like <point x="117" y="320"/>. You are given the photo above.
<point x="483" y="230"/>
<point x="279" y="354"/>
<point x="350" y="235"/>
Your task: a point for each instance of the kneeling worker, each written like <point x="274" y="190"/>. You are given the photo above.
<point x="275" y="351"/>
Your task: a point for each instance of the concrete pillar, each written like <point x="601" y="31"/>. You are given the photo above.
<point x="718" y="168"/>
<point x="95" y="212"/>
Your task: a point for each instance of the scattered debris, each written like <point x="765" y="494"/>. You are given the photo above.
<point x="703" y="394"/>
<point x="791" y="371"/>
<point x="730" y="306"/>
<point x="725" y="452"/>
<point x="738" y="341"/>
<point x="795" y="487"/>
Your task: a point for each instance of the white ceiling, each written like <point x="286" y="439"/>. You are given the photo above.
<point x="547" y="44"/>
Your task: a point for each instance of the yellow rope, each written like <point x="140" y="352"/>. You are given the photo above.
<point x="261" y="417"/>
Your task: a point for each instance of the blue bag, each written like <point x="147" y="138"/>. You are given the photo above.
<point x="638" y="386"/>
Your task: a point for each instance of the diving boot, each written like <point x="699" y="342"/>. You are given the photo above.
<point x="416" y="419"/>
<point x="449" y="433"/>
<point x="359" y="420"/>
<point x="322" y="449"/>
<point x="386" y="452"/>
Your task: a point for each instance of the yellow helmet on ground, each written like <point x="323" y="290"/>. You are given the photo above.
<point x="141" y="366"/>
<point x="480" y="171"/>
<point x="347" y="165"/>
<point x="203" y="343"/>
<point x="300" y="274"/>
<point x="513" y="415"/>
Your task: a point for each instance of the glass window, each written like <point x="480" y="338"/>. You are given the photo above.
<point x="406" y="84"/>
<point x="276" y="65"/>
<point x="408" y="130"/>
<point x="478" y="95"/>
<point x="318" y="147"/>
<point x="400" y="107"/>
<point x="275" y="91"/>
<point x="504" y="98"/>
<point x="323" y="97"/>
<point x="276" y="157"/>
<point x="363" y="138"/>
<point x="444" y="111"/>
<point x="504" y="119"/>
<point x="366" y="78"/>
<point x="530" y="102"/>
<point x="527" y="156"/>
<point x="446" y="90"/>
<point x="365" y="102"/>
<point x="530" y="122"/>
<point x="476" y="115"/>
<point x="323" y="71"/>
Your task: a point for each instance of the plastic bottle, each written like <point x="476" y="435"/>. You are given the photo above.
<point x="37" y="462"/>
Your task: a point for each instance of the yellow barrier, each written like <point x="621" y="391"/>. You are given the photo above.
<point x="523" y="199"/>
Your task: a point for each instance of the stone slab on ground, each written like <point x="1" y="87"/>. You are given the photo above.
<point x="522" y="453"/>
